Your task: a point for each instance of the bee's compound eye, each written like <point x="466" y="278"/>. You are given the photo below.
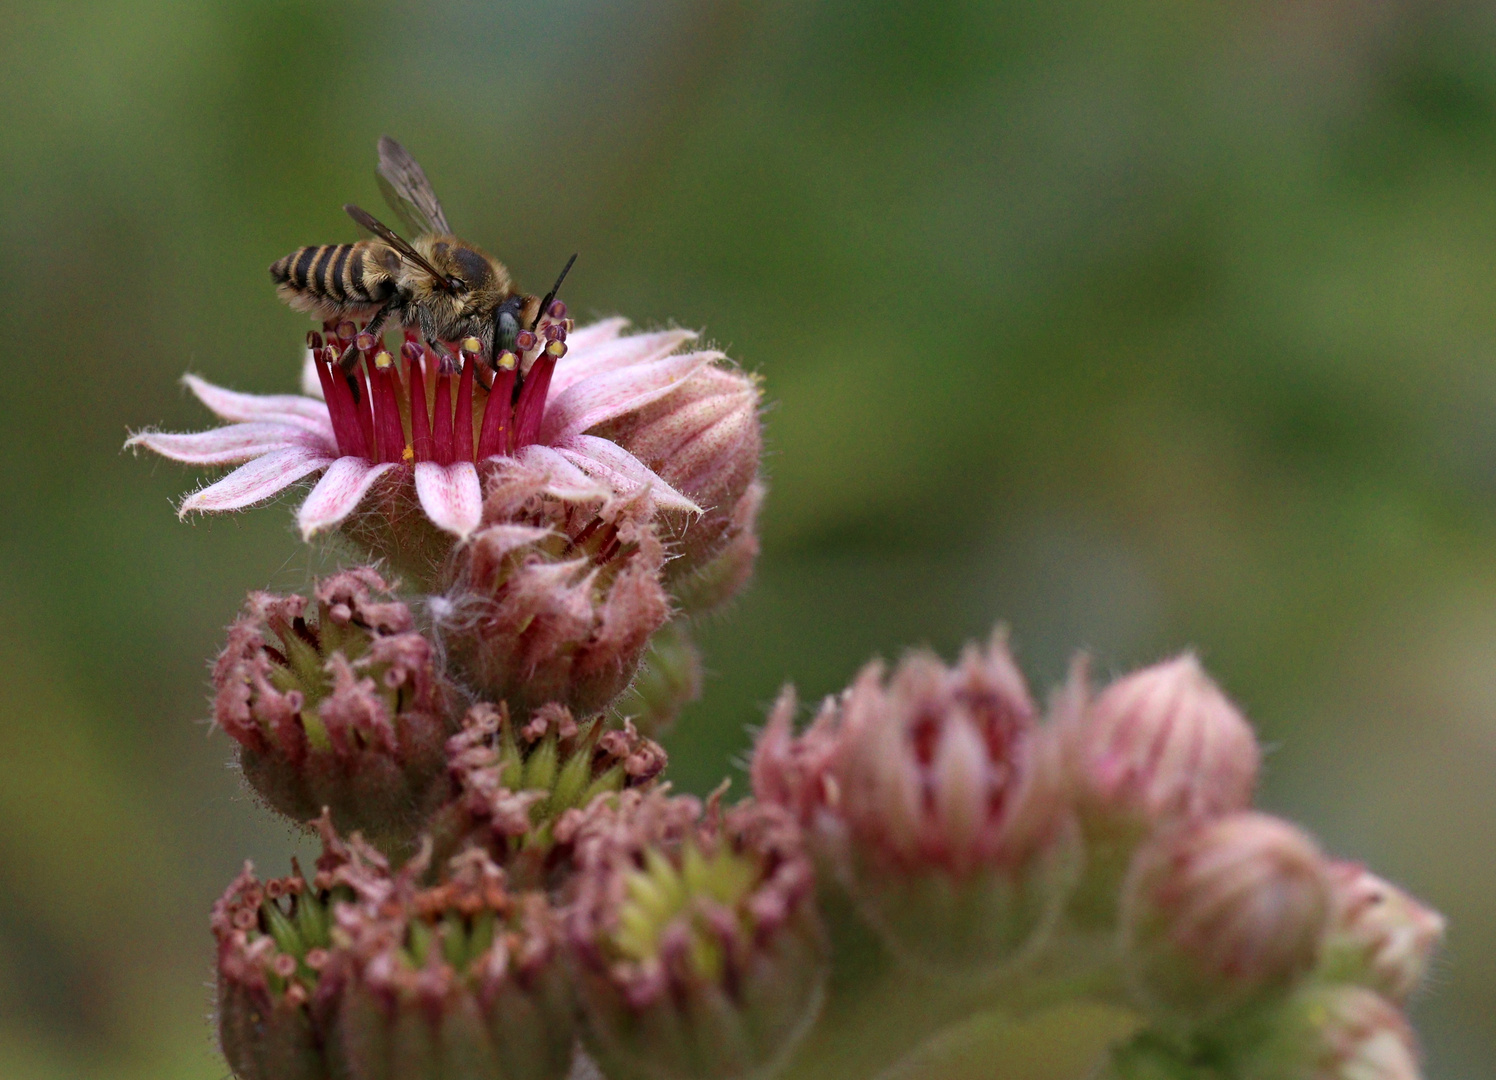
<point x="508" y="330"/>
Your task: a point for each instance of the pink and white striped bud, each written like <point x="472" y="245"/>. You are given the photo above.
<point x="1379" y="935"/>
<point x="337" y="703"/>
<point x="940" y="803"/>
<point x="1335" y="1033"/>
<point x="1223" y="913"/>
<point x="704" y="439"/>
<point x="542" y="613"/>
<point x="511" y="782"/>
<point x="1157" y="747"/>
<point x="697" y="946"/>
<point x="1162" y="745"/>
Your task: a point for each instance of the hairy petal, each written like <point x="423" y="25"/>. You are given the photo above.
<point x="622" y="471"/>
<point x="588" y="357"/>
<point x="450" y="495"/>
<point x="229" y="445"/>
<point x="256" y="481"/>
<point x="564" y="480"/>
<point x="341" y="488"/>
<point x="603" y="397"/>
<point x="232" y="405"/>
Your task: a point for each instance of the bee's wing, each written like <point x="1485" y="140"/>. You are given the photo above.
<point x="408" y="191"/>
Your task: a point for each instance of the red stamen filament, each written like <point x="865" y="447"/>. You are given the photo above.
<point x="383" y="414"/>
<point x="442" y="425"/>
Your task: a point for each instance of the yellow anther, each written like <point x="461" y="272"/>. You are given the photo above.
<point x="471" y="345"/>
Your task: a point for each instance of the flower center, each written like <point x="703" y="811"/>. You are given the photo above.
<point x="660" y="893"/>
<point x="445" y="406"/>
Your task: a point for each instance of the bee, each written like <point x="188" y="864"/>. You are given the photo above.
<point x="447" y="287"/>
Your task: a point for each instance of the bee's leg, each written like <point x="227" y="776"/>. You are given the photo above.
<point x="444" y="354"/>
<point x="375" y="327"/>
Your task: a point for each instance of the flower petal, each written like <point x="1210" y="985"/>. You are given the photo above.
<point x="605" y="396"/>
<point x="229" y="445"/>
<point x="232" y="405"/>
<point x="451" y="496"/>
<point x="586" y="357"/>
<point x="598" y="333"/>
<point x="562" y="479"/>
<point x="311" y="385"/>
<point x="341" y="488"/>
<point x="256" y="481"/>
<point x="622" y="471"/>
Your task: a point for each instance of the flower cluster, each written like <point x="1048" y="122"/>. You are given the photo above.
<point x="509" y="889"/>
<point x="1113" y="841"/>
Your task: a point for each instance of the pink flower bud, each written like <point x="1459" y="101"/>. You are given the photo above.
<point x="511" y="782"/>
<point x="698" y="950"/>
<point x="1379" y="935"/>
<point x="940" y="803"/>
<point x="1222" y="913"/>
<point x="541" y="613"/>
<point x="704" y="439"/>
<point x="346" y="709"/>
<point x="1335" y="1033"/>
<point x="1160" y="745"/>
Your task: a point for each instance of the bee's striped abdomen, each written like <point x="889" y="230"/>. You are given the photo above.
<point x="333" y="277"/>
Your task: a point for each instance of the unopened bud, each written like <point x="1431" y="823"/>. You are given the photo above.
<point x="941" y="804"/>
<point x="698" y="950"/>
<point x="274" y="940"/>
<point x="1379" y="935"/>
<point x="539" y="615"/>
<point x="459" y="981"/>
<point x="1223" y="913"/>
<point x="1157" y="747"/>
<point x="337" y="703"/>
<point x="704" y="439"/>
<point x="511" y="781"/>
<point x="1334" y="1033"/>
<point x="1163" y="744"/>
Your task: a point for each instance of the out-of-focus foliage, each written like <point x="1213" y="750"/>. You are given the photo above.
<point x="1137" y="325"/>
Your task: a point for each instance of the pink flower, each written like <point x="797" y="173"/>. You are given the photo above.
<point x="426" y="424"/>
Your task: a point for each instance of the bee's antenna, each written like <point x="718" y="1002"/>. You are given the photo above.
<point x="546" y="303"/>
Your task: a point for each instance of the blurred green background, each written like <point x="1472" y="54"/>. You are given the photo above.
<point x="1136" y="325"/>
